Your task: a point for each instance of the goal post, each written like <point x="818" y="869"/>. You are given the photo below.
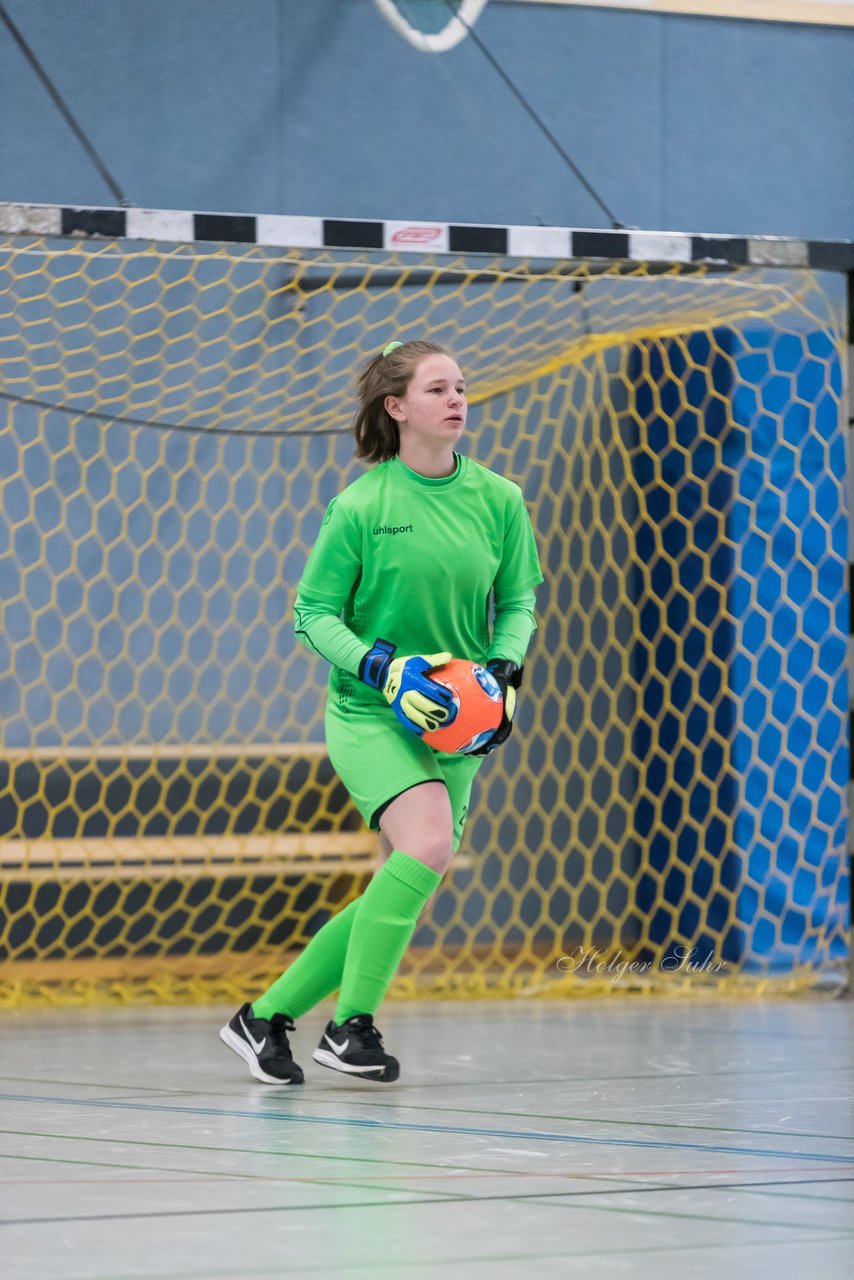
<point x="175" y="397"/>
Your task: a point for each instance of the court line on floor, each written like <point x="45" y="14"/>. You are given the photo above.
<point x="548" y="1198"/>
<point x="330" y="1094"/>
<point x="597" y="1078"/>
<point x="783" y="1195"/>
<point x="400" y="1267"/>
<point x="446" y="1175"/>
<point x="406" y="1126"/>
<point x="195" y="1175"/>
<point x="606" y="1120"/>
<point x="203" y="1177"/>
<point x="455" y="1169"/>
<point x="552" y="1198"/>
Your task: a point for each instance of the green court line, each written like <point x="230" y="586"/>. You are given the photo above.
<point x="103" y="1084"/>
<point x="363" y="1122"/>
<point x="166" y="1091"/>
<point x="225" y="1177"/>
<point x="787" y="1195"/>
<point x="750" y="1187"/>
<point x="376" y="1265"/>
<point x="136" y="1168"/>
<point x="638" y="1124"/>
<point x="618" y="1176"/>
<point x="572" y="1201"/>
<point x="289" y="1154"/>
<point x="842" y="1233"/>
<point x="179" y="1094"/>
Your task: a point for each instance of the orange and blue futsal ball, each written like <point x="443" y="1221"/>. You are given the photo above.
<point x="477" y="707"/>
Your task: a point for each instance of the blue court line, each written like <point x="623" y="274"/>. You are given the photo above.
<point x="466" y="1131"/>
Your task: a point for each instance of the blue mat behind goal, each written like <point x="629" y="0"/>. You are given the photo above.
<point x="741" y="652"/>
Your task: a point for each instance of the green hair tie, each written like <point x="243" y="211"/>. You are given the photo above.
<point x="391" y="346"/>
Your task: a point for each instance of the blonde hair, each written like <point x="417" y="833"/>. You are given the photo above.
<point x="377" y="434"/>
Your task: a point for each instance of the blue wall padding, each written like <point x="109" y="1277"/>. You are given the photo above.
<point x="744" y="767"/>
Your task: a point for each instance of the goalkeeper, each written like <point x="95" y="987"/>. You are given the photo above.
<point x="398" y="581"/>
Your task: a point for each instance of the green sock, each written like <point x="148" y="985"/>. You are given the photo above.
<point x="315" y="973"/>
<point x="387" y="914"/>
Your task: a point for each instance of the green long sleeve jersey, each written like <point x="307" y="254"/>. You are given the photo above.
<point x="414" y="560"/>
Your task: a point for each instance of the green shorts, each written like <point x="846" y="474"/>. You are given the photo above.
<point x="377" y="759"/>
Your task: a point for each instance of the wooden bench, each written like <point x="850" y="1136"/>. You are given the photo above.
<point x="290" y="853"/>
<point x="167" y="857"/>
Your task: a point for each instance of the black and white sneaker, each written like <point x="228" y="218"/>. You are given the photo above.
<point x="356" y="1047"/>
<point x="263" y="1043"/>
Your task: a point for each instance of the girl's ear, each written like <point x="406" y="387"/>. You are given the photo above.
<point x="394" y="408"/>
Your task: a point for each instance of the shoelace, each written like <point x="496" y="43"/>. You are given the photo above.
<point x="366" y="1030"/>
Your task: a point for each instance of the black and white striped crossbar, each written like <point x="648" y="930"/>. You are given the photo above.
<point x="425" y="237"/>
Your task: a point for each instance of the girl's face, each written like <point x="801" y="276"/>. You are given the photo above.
<point x="434" y="407"/>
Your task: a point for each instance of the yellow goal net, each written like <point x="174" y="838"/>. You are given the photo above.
<point x="670" y="811"/>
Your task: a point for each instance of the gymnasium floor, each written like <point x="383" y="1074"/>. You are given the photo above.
<point x="610" y="1138"/>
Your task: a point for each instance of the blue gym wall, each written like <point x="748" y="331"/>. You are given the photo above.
<point x="283" y="106"/>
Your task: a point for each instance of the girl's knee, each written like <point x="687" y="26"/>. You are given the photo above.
<point x="436" y="854"/>
<point x="420" y="823"/>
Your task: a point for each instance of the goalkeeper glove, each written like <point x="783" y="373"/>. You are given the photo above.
<point x="509" y="678"/>
<point x="420" y="704"/>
